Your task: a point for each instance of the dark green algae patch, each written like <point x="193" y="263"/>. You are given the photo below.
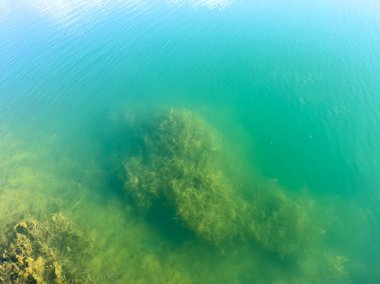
<point x="185" y="218"/>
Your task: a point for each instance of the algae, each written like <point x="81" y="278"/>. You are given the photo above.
<point x="177" y="167"/>
<point x="174" y="163"/>
<point x="281" y="223"/>
<point x="37" y="244"/>
<point x="35" y="251"/>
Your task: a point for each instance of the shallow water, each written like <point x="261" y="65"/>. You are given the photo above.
<point x="291" y="88"/>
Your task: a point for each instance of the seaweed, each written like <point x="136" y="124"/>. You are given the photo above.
<point x="173" y="162"/>
<point x="43" y="251"/>
<point x="281" y="224"/>
<point x="177" y="167"/>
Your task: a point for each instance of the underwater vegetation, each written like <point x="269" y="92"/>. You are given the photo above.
<point x="179" y="180"/>
<point x="37" y="244"/>
<point x="34" y="251"/>
<point x="179" y="167"/>
<point x="282" y="223"/>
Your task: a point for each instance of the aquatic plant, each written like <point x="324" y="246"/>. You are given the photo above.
<point x="177" y="166"/>
<point x="34" y="251"/>
<point x="281" y="224"/>
<point x="268" y="236"/>
<point x="336" y="267"/>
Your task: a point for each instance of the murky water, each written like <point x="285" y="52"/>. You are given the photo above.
<point x="192" y="141"/>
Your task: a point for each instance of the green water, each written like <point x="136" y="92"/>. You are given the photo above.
<point x="289" y="87"/>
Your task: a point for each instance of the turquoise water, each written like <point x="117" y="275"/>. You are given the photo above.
<point x="291" y="86"/>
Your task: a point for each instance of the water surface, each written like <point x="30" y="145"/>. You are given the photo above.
<point x="290" y="87"/>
